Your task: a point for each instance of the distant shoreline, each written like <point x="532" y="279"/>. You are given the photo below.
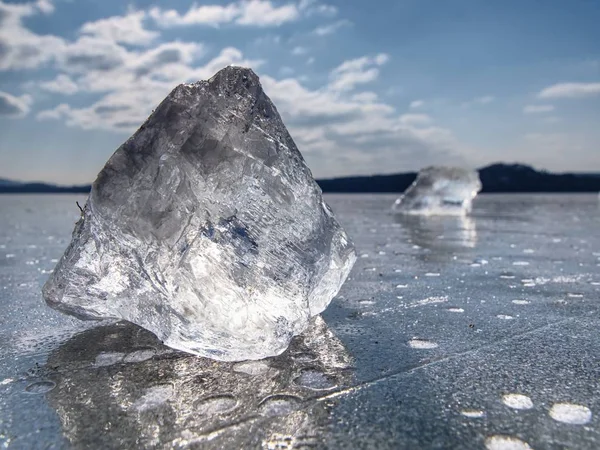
<point x="496" y="178"/>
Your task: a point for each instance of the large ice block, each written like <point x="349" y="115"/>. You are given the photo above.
<point x="440" y="191"/>
<point x="207" y="228"/>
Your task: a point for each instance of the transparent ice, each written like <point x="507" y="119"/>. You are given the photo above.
<point x="440" y="191"/>
<point x="206" y="228"/>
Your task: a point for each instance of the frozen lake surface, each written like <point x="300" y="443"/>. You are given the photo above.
<point x="479" y="332"/>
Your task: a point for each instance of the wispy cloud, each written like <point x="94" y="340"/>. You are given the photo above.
<point x="14" y="107"/>
<point x="311" y="7"/>
<point x="62" y="84"/>
<point x="337" y="125"/>
<point x="299" y="50"/>
<point x="356" y="71"/>
<point x="127" y="29"/>
<point x="115" y="69"/>
<point x="45" y="6"/>
<point x="259" y="13"/>
<point x="350" y="132"/>
<point x="538" y="109"/>
<point x="570" y="90"/>
<point x="134" y="87"/>
<point x="415" y="119"/>
<point x="22" y="48"/>
<point x="332" y="27"/>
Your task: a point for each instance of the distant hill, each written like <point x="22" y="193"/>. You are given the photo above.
<point x="495" y="178"/>
<point x="17" y="187"/>
<point x="5" y="182"/>
<point x="520" y="178"/>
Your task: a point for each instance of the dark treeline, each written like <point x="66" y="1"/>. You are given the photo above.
<point x="42" y="188"/>
<point x="494" y="178"/>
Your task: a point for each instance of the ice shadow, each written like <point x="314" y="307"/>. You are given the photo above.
<point x="117" y="386"/>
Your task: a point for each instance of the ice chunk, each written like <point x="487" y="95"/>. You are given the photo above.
<point x="440" y="191"/>
<point x="206" y="228"/>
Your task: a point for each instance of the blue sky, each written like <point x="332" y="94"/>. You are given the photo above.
<point x="363" y="86"/>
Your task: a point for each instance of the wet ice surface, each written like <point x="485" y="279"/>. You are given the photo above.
<point x="470" y="379"/>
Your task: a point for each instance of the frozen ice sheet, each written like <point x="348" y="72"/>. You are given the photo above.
<point x="409" y="359"/>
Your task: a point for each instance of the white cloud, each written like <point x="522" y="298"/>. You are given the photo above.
<point x="262" y="13"/>
<point x="259" y="13"/>
<point x="331" y="28"/>
<point x="213" y="15"/>
<point x="56" y="113"/>
<point x="381" y="59"/>
<point x="171" y="56"/>
<point x="306" y="4"/>
<point x="299" y="50"/>
<point x="62" y="84"/>
<point x="537" y="109"/>
<point x="416" y="104"/>
<point x="19" y="47"/>
<point x="138" y="85"/>
<point x="356" y="71"/>
<point x="127" y="29"/>
<point x="45" y="6"/>
<point x="92" y="54"/>
<point x="365" y="97"/>
<point x="311" y="7"/>
<point x="14" y="107"/>
<point x="339" y="127"/>
<point x="342" y="132"/>
<point x="570" y="90"/>
<point x="326" y="10"/>
<point x="415" y="119"/>
<point x="347" y="81"/>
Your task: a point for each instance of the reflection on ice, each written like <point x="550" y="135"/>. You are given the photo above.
<point x="441" y="235"/>
<point x="440" y="191"/>
<point x="117" y="386"/>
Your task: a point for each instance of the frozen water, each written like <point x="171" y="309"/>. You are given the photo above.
<point x="206" y="228"/>
<point x="386" y="395"/>
<point x="440" y="191"/>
